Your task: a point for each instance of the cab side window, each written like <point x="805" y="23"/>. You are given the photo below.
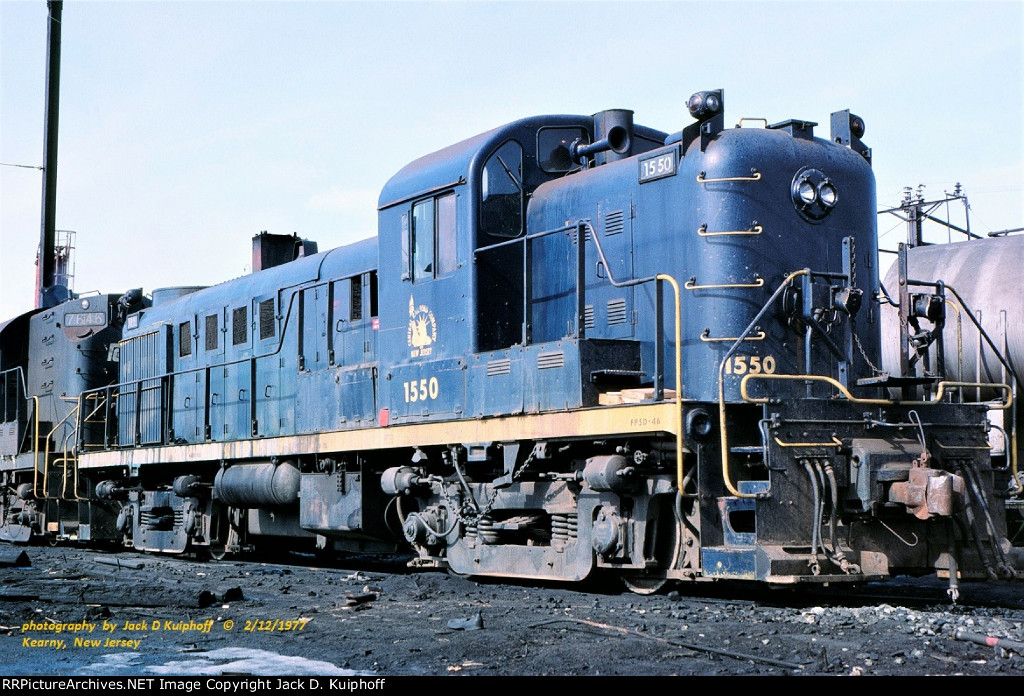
<point x="553" y="145"/>
<point x="423" y="240"/>
<point x="428" y="239"/>
<point x="501" y="192"/>
<point x="446" y="257"/>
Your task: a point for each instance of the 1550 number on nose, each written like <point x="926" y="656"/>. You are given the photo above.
<point x="753" y="364"/>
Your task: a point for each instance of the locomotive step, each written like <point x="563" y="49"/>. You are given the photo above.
<point x="887" y="380"/>
<point x="632" y="396"/>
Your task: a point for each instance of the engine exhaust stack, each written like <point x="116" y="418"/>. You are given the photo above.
<point x="269" y="250"/>
<point x="613" y="138"/>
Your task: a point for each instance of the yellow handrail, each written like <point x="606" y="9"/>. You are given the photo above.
<point x="35" y="447"/>
<point x="678" y="337"/>
<point x="703" y="231"/>
<point x="802" y="378"/>
<point x="936" y="398"/>
<point x="691" y="284"/>
<point x="836" y="442"/>
<point x="46" y="468"/>
<point x="724" y="437"/>
<point x="706" y="337"/>
<point x="755" y="176"/>
<point x="679" y="380"/>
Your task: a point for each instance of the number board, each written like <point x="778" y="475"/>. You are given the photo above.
<point x="658" y="166"/>
<point x="85" y="319"/>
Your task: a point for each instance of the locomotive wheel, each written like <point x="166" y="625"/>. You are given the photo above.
<point x="456" y="574"/>
<point x="219" y="549"/>
<point x="224" y="537"/>
<point x="643" y="584"/>
<point x="667" y="551"/>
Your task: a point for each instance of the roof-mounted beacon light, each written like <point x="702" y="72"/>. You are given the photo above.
<point x="704" y="105"/>
<point x="708" y="108"/>
<point x="856" y="126"/>
<point x="848" y="129"/>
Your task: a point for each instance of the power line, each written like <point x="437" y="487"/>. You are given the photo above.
<point x="23" y="166"/>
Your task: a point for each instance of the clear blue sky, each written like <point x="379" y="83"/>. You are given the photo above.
<point x="188" y="127"/>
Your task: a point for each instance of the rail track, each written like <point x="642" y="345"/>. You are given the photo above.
<point x="295" y="616"/>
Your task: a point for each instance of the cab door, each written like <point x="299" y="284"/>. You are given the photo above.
<point x="266" y="368"/>
<point x="316" y="411"/>
<point x="611" y="312"/>
<point x="354" y="370"/>
<point x="428" y="380"/>
<point x="187" y="421"/>
<point x="238" y="374"/>
<point x="213" y="357"/>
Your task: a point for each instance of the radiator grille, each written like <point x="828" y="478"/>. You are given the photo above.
<point x="546" y="361"/>
<point x="617" y="312"/>
<point x="184" y="339"/>
<point x="613" y="223"/>
<point x="239" y="326"/>
<point x="267" y="324"/>
<point x="499" y="367"/>
<point x="356" y="306"/>
<point x="211" y="332"/>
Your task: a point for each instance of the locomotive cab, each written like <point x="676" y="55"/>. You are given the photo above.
<point x="479" y="309"/>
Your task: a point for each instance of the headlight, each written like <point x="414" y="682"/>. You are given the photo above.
<point x="805" y="190"/>
<point x="827" y="193"/>
<point x="814" y="194"/>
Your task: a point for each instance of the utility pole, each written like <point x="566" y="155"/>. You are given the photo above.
<point x="914" y="210"/>
<point x="48" y="293"/>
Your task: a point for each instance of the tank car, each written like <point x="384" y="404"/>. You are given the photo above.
<point x="982" y="341"/>
<point x="576" y="346"/>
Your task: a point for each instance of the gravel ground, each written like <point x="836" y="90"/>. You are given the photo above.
<point x="177" y="617"/>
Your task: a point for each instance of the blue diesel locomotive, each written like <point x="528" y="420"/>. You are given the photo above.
<point x="577" y="345"/>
